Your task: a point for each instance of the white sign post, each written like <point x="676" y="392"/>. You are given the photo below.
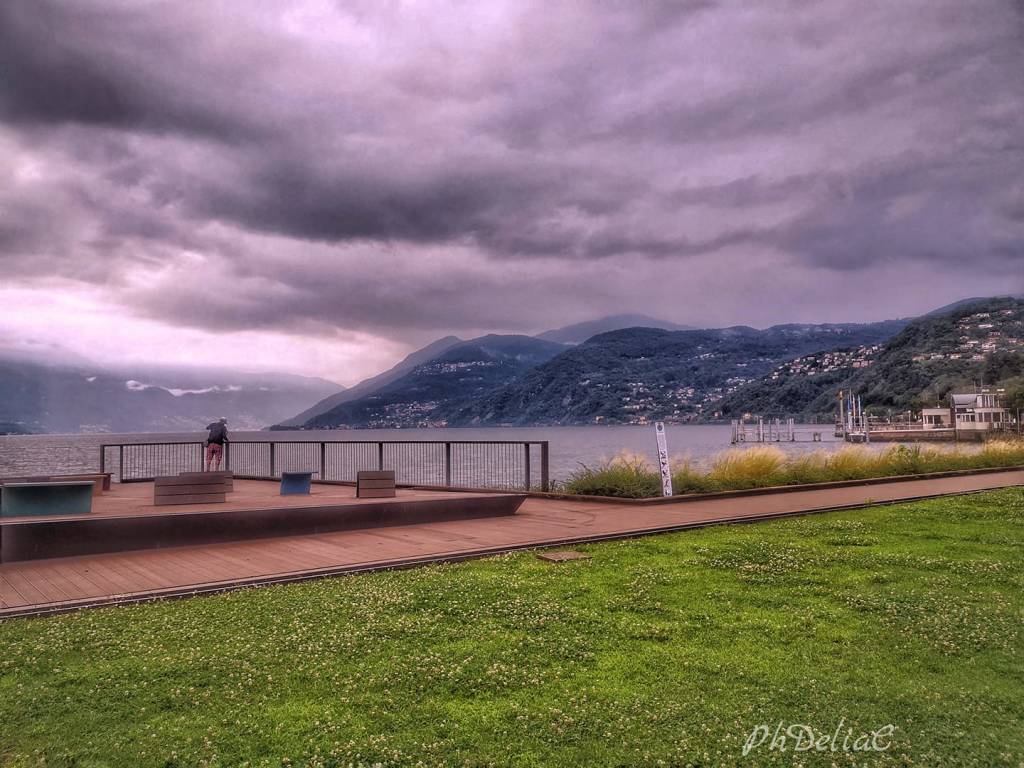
<point x="666" y="470"/>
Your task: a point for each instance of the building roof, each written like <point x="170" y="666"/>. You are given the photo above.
<point x="964" y="399"/>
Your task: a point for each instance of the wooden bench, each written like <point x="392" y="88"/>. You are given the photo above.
<point x="101" y="482"/>
<point x="227" y="476"/>
<point x="190" y="488"/>
<point x="375" y="484"/>
<point x="66" y="498"/>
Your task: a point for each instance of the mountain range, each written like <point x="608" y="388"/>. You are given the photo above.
<point x="647" y="374"/>
<point x="567" y="335"/>
<point x="622" y="374"/>
<point x="640" y="374"/>
<point x="57" y="392"/>
<point x="430" y="391"/>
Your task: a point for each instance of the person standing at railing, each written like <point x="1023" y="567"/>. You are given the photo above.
<point x="215" y="443"/>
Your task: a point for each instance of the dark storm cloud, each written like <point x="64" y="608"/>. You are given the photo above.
<point x="68" y="63"/>
<point x="296" y="165"/>
<point x="910" y="211"/>
<point x="425" y="302"/>
<point x="300" y="198"/>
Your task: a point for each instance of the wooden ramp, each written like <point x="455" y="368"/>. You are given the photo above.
<point x="61" y="584"/>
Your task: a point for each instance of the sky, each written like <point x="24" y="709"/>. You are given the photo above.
<point x="320" y="187"/>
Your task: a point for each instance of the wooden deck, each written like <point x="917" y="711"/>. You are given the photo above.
<point x="131" y="499"/>
<point x="126" y="518"/>
<point x="46" y="586"/>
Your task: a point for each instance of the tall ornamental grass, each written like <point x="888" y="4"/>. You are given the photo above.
<point x="627" y="475"/>
<point x="632" y="476"/>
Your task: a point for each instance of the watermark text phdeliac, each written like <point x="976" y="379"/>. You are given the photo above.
<point x="799" y="737"/>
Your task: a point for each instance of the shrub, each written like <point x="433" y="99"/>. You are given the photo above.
<point x="632" y="476"/>
<point x="811" y="467"/>
<point x="748" y="467"/>
<point x="687" y="477"/>
<point x="627" y="476"/>
<point x="853" y="462"/>
<point x="1001" y="453"/>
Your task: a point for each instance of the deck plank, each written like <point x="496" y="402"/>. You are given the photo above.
<point x="33" y="589"/>
<point x="96" y="580"/>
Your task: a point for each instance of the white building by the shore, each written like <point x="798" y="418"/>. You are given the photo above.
<point x="977" y="411"/>
<point x="936" y="418"/>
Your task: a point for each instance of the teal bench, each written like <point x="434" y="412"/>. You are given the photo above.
<point x="29" y="499"/>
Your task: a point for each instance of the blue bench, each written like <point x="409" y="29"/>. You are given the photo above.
<point x="296" y="483"/>
<point x="29" y="499"/>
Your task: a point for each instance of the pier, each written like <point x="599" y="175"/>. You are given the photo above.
<point x="772" y="431"/>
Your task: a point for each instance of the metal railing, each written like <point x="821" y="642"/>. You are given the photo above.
<point x="507" y="465"/>
<point x="877" y="426"/>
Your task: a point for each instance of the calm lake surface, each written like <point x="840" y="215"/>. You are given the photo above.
<point x="570" y="446"/>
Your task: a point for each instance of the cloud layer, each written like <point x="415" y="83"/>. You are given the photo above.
<point x="317" y="169"/>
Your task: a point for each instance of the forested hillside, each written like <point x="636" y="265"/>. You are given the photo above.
<point x="640" y="374"/>
<point x="425" y="395"/>
<point x="977" y="343"/>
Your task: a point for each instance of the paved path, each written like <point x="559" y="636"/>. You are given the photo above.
<point x="44" y="586"/>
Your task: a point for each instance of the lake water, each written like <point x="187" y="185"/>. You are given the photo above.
<point x="569" y="446"/>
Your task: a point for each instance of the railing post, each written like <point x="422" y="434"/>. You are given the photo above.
<point x="448" y="465"/>
<point x="380" y="455"/>
<point x="526" y="466"/>
<point x="545" y="480"/>
<point x="323" y="460"/>
<point x="120" y="463"/>
<point x="227" y="456"/>
<point x="272" y="460"/>
<point x="103" y="459"/>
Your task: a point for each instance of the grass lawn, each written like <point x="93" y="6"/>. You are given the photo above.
<point x="666" y="650"/>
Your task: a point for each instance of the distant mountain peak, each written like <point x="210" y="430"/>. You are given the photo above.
<point x="442" y="384"/>
<point x="45" y="353"/>
<point x="374" y="383"/>
<point x="962" y="303"/>
<point x="577" y="333"/>
<point x="38" y="395"/>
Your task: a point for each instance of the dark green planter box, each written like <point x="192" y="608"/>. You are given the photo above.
<point x="30" y="499"/>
